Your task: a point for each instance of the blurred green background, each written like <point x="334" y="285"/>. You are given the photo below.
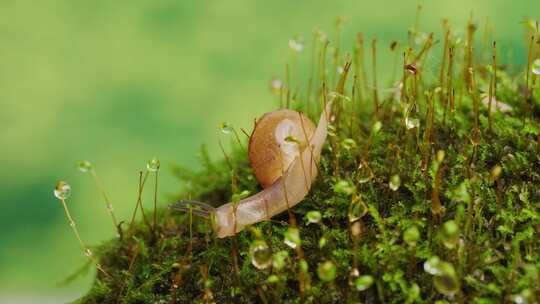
<point x="118" y="82"/>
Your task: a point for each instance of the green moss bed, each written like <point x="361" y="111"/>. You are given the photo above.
<point x="424" y="194"/>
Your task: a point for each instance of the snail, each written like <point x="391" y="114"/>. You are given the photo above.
<point x="284" y="152"/>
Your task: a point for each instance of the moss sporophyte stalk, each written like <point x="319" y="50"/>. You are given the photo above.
<point x="423" y="189"/>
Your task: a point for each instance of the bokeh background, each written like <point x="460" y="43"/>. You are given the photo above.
<point x="118" y="82"/>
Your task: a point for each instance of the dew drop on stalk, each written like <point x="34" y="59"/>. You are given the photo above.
<point x="88" y="252"/>
<point x="313" y="217"/>
<point x="84" y="166"/>
<point x="327" y="271"/>
<point x="348" y="144"/>
<point x="261" y="254"/>
<point x="322" y="242"/>
<point x="225" y="128"/>
<point x="153" y="165"/>
<point x="357" y="210"/>
<point x="279" y="259"/>
<point x="431" y="266"/>
<point x="535" y="68"/>
<point x="411" y="123"/>
<point x="343" y="187"/>
<point x="356" y="229"/>
<point x="272" y="279"/>
<point x="446" y="282"/>
<point x="411" y="236"/>
<point x="276" y="85"/>
<point x="395" y="182"/>
<point x="363" y="282"/>
<point x="296" y="44"/>
<point x="292" y="237"/>
<point x="62" y="190"/>
<point x="450" y="234"/>
<point x="376" y="127"/>
<point x="303" y="265"/>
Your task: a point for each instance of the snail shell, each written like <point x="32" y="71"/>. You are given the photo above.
<point x="277" y="139"/>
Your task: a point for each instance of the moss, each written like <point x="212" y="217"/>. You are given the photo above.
<point x="423" y="198"/>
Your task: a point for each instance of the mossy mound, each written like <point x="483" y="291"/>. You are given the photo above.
<point x="424" y="195"/>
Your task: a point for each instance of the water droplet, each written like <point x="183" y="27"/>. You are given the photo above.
<point x="364" y="174"/>
<point x="348" y="144"/>
<point x="376" y="127"/>
<point x="313" y="217"/>
<point x="363" y="282"/>
<point x="225" y="128"/>
<point x="261" y="254"/>
<point x="292" y="237"/>
<point x="272" y="279"/>
<point x="440" y="156"/>
<point x="153" y="165"/>
<point x="327" y="271"/>
<point x="411" y="123"/>
<point x="395" y="182"/>
<point x="303" y="265"/>
<point x="356" y="229"/>
<point x="322" y="242"/>
<point x="535" y="68"/>
<point x="446" y="282"/>
<point x="357" y="210"/>
<point x="88" y="252"/>
<point x="445" y="279"/>
<point x="62" y="190"/>
<point x="276" y="85"/>
<point x="343" y="187"/>
<point x="323" y="37"/>
<point x="496" y="172"/>
<point x="431" y="266"/>
<point x="296" y="44"/>
<point x="84" y="166"/>
<point x="110" y="207"/>
<point x="411" y="236"/>
<point x="72" y="223"/>
<point x="279" y="259"/>
<point x="450" y="234"/>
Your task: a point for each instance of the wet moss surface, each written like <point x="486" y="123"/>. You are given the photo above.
<point x="424" y="195"/>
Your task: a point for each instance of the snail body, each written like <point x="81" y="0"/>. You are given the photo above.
<point x="284" y="152"/>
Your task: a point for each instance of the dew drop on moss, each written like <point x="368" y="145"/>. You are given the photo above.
<point x="357" y="210"/>
<point x="225" y="128"/>
<point x="62" y="190"/>
<point x="279" y="259"/>
<point x="395" y="182"/>
<point x="84" y="166"/>
<point x="446" y="282"/>
<point x="431" y="266"/>
<point x="343" y="187"/>
<point x="411" y="236"/>
<point x="292" y="237"/>
<point x="535" y="68"/>
<point x="261" y="254"/>
<point x="153" y="165"/>
<point x="363" y="282"/>
<point x="327" y="271"/>
<point x="450" y="234"/>
<point x="411" y="123"/>
<point x="313" y="217"/>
